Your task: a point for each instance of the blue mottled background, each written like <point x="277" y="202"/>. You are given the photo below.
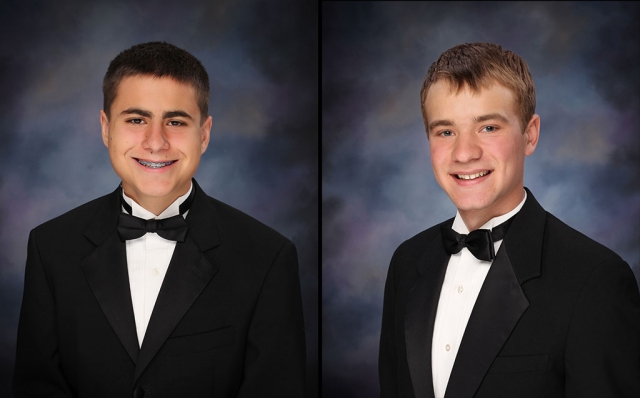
<point x="262" y="59"/>
<point x="377" y="185"/>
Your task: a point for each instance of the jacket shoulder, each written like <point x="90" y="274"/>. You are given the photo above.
<point x="75" y="219"/>
<point x="239" y="226"/>
<point x="412" y="248"/>
<point x="567" y="242"/>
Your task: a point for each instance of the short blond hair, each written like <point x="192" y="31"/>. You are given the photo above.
<point x="479" y="65"/>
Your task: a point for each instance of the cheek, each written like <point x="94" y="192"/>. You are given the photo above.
<point x="511" y="155"/>
<point x="119" y="145"/>
<point x="502" y="149"/>
<point x="438" y="156"/>
<point x="192" y="146"/>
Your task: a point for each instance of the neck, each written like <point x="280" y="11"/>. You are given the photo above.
<point x="155" y="205"/>
<point x="474" y="219"/>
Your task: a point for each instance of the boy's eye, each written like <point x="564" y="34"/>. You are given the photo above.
<point x="489" y="129"/>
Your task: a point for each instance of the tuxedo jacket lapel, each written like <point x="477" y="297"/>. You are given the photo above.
<point x="501" y="301"/>
<point x="421" y="307"/>
<point x="189" y="272"/>
<point x="498" y="308"/>
<point x="106" y="272"/>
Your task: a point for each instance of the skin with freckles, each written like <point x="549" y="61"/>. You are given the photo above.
<point x="471" y="133"/>
<point x="155" y="120"/>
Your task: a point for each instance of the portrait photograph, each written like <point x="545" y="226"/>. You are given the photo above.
<point x="261" y="59"/>
<point x="379" y="188"/>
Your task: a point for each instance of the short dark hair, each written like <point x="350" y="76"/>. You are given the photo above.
<point x="157" y="59"/>
<point x="479" y="65"/>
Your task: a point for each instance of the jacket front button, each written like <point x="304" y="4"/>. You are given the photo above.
<point x="138" y="393"/>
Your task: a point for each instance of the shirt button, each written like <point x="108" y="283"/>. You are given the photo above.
<point x="447" y="347"/>
<point x="460" y="289"/>
<point x="156" y="271"/>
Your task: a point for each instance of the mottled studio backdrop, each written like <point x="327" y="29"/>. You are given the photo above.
<point x="377" y="185"/>
<point x="262" y="59"/>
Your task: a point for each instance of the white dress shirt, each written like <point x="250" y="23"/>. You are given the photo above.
<point x="462" y="282"/>
<point x="148" y="258"/>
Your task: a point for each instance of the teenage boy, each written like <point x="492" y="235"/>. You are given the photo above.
<point x="504" y="300"/>
<point x="158" y="289"/>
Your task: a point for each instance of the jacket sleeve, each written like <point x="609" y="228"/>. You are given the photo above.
<point x="387" y="357"/>
<point x="274" y="364"/>
<point x="37" y="370"/>
<point x="602" y="357"/>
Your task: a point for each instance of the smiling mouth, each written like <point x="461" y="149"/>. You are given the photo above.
<point x="472" y="176"/>
<point x="155" y="165"/>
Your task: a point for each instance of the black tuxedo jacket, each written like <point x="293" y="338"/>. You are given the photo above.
<point x="227" y="321"/>
<point x="557" y="316"/>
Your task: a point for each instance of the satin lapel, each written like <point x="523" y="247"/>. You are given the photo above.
<point x="188" y="274"/>
<point x="498" y="308"/>
<point x="421" y="307"/>
<point x="106" y="272"/>
<point x="501" y="301"/>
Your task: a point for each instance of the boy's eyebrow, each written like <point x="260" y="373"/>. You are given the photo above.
<point x="176" y="113"/>
<point x="437" y="123"/>
<point x="136" y="111"/>
<point x="476" y="119"/>
<point x="490" y="116"/>
<point x="166" y="115"/>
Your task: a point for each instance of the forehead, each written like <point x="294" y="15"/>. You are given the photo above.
<point x="154" y="92"/>
<point x="443" y="98"/>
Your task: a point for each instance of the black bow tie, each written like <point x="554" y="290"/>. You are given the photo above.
<point x="479" y="242"/>
<point x="172" y="228"/>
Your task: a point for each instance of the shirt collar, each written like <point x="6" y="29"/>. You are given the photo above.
<point x="172" y="210"/>
<point x="460" y="227"/>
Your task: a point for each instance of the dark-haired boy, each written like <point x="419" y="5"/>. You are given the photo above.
<point x="157" y="289"/>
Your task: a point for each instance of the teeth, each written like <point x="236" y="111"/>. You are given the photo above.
<point x="154" y="165"/>
<point x="472" y="176"/>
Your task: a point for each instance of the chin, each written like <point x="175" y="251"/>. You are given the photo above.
<point x="470" y="206"/>
<point x="468" y="202"/>
<point x="153" y="188"/>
